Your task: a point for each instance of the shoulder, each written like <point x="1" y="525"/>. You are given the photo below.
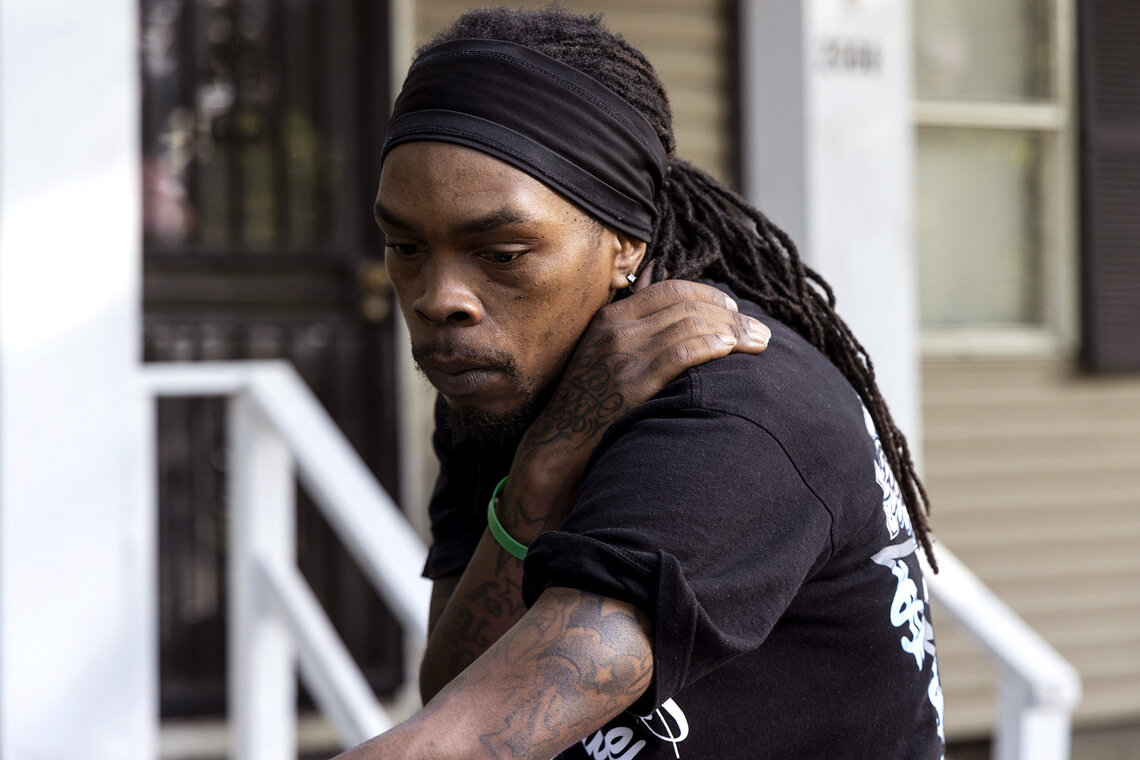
<point x="789" y="401"/>
<point x="792" y="390"/>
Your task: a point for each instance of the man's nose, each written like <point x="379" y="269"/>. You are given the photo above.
<point x="447" y="296"/>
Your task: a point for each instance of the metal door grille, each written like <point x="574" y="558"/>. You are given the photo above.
<point x="261" y="129"/>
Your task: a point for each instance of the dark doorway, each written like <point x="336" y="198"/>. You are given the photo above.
<point x="261" y="129"/>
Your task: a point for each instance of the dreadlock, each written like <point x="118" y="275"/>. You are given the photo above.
<point x="705" y="230"/>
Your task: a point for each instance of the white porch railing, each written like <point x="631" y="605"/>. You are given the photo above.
<point x="278" y="428"/>
<point x="1038" y="689"/>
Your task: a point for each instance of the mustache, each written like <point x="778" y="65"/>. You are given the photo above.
<point x="451" y="348"/>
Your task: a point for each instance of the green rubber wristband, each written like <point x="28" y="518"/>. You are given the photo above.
<point x="511" y="546"/>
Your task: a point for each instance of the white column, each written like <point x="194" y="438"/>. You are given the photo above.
<point x="828" y="152"/>
<point x="78" y="665"/>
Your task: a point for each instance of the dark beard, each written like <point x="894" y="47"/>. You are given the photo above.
<point x="493" y="434"/>
<point x="474" y="428"/>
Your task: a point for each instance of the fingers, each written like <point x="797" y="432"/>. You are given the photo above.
<point x="671" y="301"/>
<point x="661" y="295"/>
<point x="675" y="358"/>
<point x="670" y="326"/>
<point x="686" y="334"/>
<point x="679" y="322"/>
<point x="693" y="341"/>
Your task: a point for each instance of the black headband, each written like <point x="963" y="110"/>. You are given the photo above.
<point x="557" y="124"/>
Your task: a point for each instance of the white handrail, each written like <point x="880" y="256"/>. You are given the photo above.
<point x="1039" y="689"/>
<point x="278" y="425"/>
<point x="373" y="529"/>
<point x="327" y="667"/>
<point x="371" y="525"/>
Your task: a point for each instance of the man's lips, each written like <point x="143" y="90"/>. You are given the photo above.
<point x="458" y="377"/>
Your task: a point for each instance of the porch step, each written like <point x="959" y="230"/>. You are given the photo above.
<point x="209" y="739"/>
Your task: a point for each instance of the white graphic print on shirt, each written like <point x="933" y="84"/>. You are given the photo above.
<point x="908" y="608"/>
<point x="667" y="723"/>
<point x="934" y="694"/>
<point x="893" y="506"/>
<point x="613" y="744"/>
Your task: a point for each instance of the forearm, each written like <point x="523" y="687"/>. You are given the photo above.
<point x="570" y="664"/>
<point x="487" y="600"/>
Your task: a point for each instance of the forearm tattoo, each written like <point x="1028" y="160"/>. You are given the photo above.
<point x="469" y="638"/>
<point x="498" y="599"/>
<point x="469" y="631"/>
<point x="573" y="662"/>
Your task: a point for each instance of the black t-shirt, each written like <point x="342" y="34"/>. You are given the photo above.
<point x="749" y="510"/>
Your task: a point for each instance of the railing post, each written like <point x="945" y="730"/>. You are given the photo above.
<point x="262" y="658"/>
<point x="1037" y="690"/>
<point x="1027" y="729"/>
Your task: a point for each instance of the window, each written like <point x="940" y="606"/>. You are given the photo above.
<point x="995" y="189"/>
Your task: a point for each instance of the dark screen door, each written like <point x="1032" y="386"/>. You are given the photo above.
<point x="261" y="129"/>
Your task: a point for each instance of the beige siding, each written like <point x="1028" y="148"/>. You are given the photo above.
<point x="1034" y="472"/>
<point x="686" y="40"/>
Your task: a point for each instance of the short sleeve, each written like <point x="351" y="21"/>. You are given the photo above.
<point x="467" y="477"/>
<point x="700" y="519"/>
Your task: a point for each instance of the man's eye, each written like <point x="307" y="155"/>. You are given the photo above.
<point x="502" y="257"/>
<point x="404" y="249"/>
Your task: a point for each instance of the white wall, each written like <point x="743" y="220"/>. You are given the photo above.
<point x="828" y="155"/>
<point x="78" y="667"/>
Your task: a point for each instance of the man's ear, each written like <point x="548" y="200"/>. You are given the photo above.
<point x="628" y="253"/>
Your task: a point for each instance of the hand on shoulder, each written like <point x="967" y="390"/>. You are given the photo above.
<point x="631" y="350"/>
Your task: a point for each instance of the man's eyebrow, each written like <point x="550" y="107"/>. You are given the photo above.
<point x="384" y="215"/>
<point x="502" y="217"/>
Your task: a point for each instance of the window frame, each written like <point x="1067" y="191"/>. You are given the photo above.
<point x="1058" y="333"/>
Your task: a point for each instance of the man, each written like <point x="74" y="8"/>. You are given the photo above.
<point x="648" y="541"/>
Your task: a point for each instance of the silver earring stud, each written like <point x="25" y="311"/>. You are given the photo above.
<point x="631" y="277"/>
